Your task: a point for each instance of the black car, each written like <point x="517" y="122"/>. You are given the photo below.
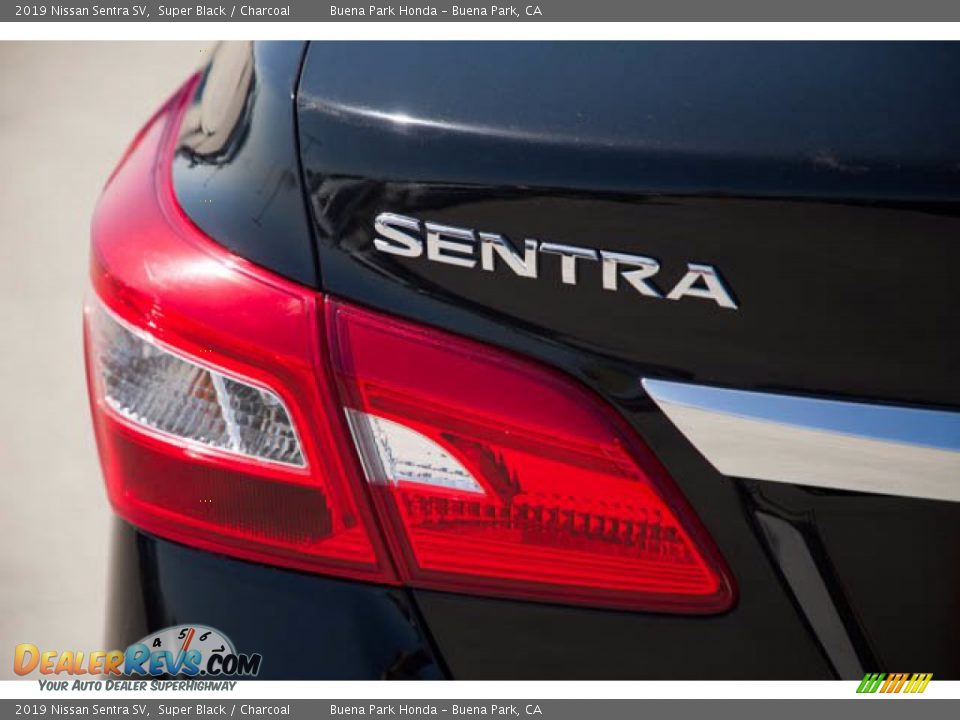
<point x="539" y="360"/>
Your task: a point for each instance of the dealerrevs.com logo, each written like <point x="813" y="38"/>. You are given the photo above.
<point x="189" y="651"/>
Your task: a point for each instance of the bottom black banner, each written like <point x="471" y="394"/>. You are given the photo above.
<point x="785" y="709"/>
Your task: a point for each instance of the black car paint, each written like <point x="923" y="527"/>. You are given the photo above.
<point x="820" y="178"/>
<point x="245" y="191"/>
<point x="304" y="627"/>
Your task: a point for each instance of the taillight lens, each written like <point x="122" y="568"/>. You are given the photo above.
<point x="157" y="388"/>
<point x="241" y="413"/>
<point x="499" y="476"/>
<point x="209" y="395"/>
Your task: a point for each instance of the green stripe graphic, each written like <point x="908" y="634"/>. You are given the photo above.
<point x="871" y="682"/>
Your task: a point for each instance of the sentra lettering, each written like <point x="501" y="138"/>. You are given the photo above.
<point x="462" y="247"/>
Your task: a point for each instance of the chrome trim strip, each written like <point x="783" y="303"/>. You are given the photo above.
<point x="823" y="443"/>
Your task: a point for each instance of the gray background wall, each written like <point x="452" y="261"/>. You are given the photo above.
<point x="67" y="111"/>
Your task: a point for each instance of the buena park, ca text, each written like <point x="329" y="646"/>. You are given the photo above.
<point x="431" y="709"/>
<point x="381" y="11"/>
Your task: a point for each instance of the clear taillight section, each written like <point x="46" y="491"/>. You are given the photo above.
<point x="241" y="413"/>
<point x="161" y="390"/>
<point x="393" y="453"/>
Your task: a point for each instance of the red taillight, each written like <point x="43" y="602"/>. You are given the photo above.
<point x="495" y="475"/>
<point x="209" y="392"/>
<point x="225" y="400"/>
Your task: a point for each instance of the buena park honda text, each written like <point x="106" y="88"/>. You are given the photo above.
<point x="539" y="360"/>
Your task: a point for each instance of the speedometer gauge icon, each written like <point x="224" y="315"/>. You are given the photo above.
<point x="179" y="639"/>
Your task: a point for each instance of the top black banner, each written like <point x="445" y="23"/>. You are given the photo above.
<point x="526" y="11"/>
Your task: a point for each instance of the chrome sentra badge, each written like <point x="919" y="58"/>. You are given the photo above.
<point x="407" y="237"/>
